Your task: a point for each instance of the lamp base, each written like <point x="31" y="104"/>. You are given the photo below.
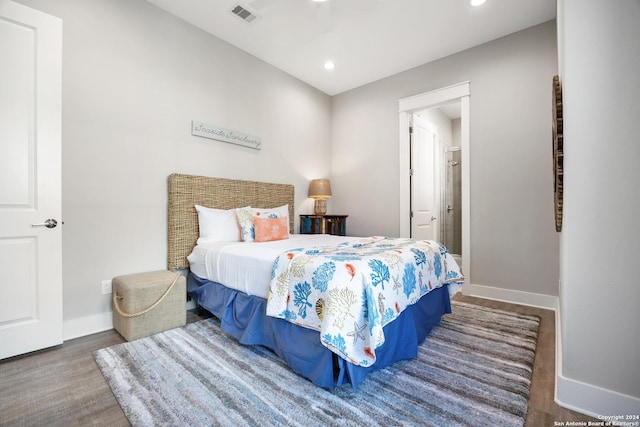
<point x="320" y="207"/>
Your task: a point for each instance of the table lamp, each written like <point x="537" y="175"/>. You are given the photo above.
<point x="320" y="190"/>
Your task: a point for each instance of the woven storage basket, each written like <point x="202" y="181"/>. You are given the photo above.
<point x="142" y="306"/>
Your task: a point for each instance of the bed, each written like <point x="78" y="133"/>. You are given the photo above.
<point x="242" y="307"/>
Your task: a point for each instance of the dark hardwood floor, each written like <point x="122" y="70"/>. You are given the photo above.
<point x="63" y="386"/>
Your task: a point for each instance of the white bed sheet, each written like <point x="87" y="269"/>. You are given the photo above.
<point x="246" y="266"/>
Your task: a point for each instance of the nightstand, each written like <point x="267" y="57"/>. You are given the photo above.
<point x="323" y="224"/>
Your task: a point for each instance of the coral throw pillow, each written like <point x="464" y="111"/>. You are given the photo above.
<point x="269" y="229"/>
<point x="245" y="219"/>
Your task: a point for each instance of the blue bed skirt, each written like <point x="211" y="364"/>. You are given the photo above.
<point x="243" y="317"/>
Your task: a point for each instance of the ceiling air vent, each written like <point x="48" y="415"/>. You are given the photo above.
<point x="244" y="14"/>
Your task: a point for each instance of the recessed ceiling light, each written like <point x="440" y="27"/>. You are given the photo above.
<point x="319" y="1"/>
<point x="329" y="65"/>
<point x="476" y="3"/>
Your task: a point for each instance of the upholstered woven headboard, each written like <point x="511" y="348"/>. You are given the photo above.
<point x="185" y="191"/>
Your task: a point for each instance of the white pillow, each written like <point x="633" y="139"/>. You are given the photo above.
<point x="245" y="219"/>
<point x="217" y="225"/>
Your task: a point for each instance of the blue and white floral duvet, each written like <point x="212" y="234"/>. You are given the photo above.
<point x="351" y="291"/>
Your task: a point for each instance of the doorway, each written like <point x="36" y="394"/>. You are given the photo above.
<point x="458" y="152"/>
<point x="437" y="175"/>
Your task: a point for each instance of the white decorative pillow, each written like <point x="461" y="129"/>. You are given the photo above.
<point x="217" y="225"/>
<point x="245" y="219"/>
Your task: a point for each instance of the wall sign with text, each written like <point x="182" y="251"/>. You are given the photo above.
<point x="225" y="135"/>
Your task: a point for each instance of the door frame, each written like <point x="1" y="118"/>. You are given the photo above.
<point x="406" y="107"/>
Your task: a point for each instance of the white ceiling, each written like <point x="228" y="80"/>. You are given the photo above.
<point x="367" y="39"/>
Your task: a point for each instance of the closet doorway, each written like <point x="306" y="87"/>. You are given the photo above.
<point x="452" y="216"/>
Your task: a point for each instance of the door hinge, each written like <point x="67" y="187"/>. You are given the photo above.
<point x="411" y="214"/>
<point x="410" y="172"/>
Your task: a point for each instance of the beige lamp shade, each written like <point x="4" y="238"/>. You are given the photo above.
<point x="320" y="190"/>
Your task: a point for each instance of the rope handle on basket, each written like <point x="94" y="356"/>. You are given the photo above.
<point x="116" y="297"/>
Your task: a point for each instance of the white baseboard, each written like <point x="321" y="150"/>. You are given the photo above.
<point x="87" y="325"/>
<point x="601" y="403"/>
<point x="548" y="302"/>
<point x="589" y="399"/>
<point x="83" y="326"/>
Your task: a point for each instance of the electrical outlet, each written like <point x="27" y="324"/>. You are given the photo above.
<point x="106" y="287"/>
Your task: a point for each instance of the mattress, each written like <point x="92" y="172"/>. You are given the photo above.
<point x="247" y="266"/>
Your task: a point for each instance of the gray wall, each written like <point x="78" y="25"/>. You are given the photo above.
<point x="133" y="79"/>
<point x="513" y="240"/>
<point x="600" y="292"/>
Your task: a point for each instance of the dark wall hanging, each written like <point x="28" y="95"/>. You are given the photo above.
<point x="558" y="154"/>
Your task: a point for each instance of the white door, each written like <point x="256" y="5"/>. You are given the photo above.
<point x="30" y="180"/>
<point x="425" y="182"/>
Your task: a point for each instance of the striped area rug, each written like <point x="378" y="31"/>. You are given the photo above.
<point x="474" y="369"/>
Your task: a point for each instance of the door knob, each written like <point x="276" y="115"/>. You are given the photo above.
<point x="50" y="223"/>
<point x="433" y="218"/>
